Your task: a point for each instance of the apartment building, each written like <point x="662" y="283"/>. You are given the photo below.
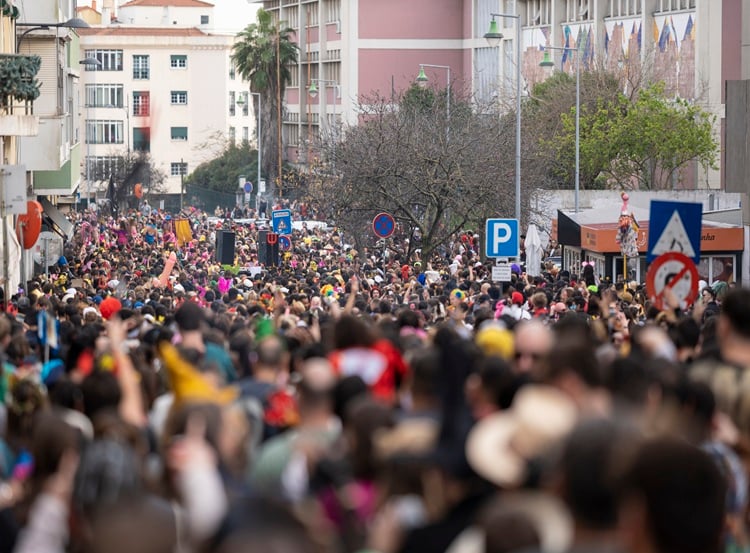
<point x="164" y="84"/>
<point x="369" y="47"/>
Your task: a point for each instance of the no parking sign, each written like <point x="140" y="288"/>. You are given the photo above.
<point x="675" y="271"/>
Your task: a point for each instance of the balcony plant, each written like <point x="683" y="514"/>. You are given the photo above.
<point x="18" y="83"/>
<point x="8" y="9"/>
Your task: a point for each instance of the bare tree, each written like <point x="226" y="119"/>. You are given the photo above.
<point x="438" y="168"/>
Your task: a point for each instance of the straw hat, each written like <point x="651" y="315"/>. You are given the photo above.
<point x="500" y="446"/>
<point x="547" y="514"/>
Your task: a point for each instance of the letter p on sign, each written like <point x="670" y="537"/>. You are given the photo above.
<point x="502" y="238"/>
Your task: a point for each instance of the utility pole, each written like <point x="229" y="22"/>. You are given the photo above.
<point x="182" y="183"/>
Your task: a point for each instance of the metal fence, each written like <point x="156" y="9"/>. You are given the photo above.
<point x="207" y="199"/>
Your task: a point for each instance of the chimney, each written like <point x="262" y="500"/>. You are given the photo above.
<point x="93" y="5"/>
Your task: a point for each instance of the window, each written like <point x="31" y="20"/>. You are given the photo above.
<point x="99" y="131"/>
<point x="245" y="103"/>
<point x="141" y="139"/>
<point x="141" y="103"/>
<point x="232" y="103"/>
<point x="111" y="60"/>
<point x="245" y="134"/>
<point x="577" y="10"/>
<point x="104" y="95"/>
<point x="178" y="62"/>
<point x="675" y="5"/>
<point x="312" y="15"/>
<point x="179" y="97"/>
<point x="292" y="17"/>
<point x="332" y="10"/>
<point x="101" y="167"/>
<point x="204" y="20"/>
<point x="332" y="71"/>
<point x="179" y="133"/>
<point x="232" y="134"/>
<point x="178" y="168"/>
<point x="232" y="72"/>
<point x="140" y="67"/>
<point x="538" y="12"/>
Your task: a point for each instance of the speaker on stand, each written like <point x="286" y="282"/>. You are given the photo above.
<point x="225" y="247"/>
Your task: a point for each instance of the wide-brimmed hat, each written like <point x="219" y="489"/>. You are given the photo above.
<point x="501" y="445"/>
<point x="548" y="516"/>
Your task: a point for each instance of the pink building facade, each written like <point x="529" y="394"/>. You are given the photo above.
<point x="358" y="49"/>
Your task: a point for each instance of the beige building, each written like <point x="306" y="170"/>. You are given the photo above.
<point x="166" y="86"/>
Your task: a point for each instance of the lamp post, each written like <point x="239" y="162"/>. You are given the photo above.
<point x="547" y="62"/>
<point x="75" y="23"/>
<point x="89" y="63"/>
<point x="259" y="139"/>
<point x="422" y="81"/>
<point x="313" y="92"/>
<point x="240" y="101"/>
<point x="494" y="36"/>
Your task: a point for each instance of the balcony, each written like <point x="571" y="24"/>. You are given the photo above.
<point x="18" y="90"/>
<point x="49" y="150"/>
<point x="18" y="125"/>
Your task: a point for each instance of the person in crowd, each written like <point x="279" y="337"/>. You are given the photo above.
<point x="347" y="397"/>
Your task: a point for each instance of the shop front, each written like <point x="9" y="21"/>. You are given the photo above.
<point x="721" y="250"/>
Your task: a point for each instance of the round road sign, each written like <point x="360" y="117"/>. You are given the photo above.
<point x="248" y="187"/>
<point x="676" y="271"/>
<point x="383" y="225"/>
<point x="285" y="243"/>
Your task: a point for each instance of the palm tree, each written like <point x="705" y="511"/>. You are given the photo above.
<point x="264" y="56"/>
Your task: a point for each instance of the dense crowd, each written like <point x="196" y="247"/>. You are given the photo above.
<point x="360" y="399"/>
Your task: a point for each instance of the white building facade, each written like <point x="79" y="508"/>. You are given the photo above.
<point x="166" y="86"/>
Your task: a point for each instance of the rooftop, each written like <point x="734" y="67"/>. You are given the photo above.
<point x="140" y="31"/>
<point x="170" y="3"/>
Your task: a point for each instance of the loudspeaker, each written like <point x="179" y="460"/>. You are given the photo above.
<point x="262" y="248"/>
<point x="225" y="247"/>
<point x="268" y="254"/>
<point x="273" y="252"/>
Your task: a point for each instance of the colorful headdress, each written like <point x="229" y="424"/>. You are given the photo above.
<point x="459" y="294"/>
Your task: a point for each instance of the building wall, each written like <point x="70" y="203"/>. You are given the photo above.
<point x="206" y="79"/>
<point x="46" y="11"/>
<point x="368" y="49"/>
<point x="685" y="43"/>
<point x="165" y="16"/>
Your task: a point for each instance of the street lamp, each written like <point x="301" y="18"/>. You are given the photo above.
<point x="422" y="81"/>
<point x="547" y="62"/>
<point x="89" y="63"/>
<point x="494" y="36"/>
<point x="258" y="134"/>
<point x="313" y="92"/>
<point x="75" y="23"/>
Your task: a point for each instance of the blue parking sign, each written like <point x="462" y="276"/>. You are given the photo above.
<point x="501" y="238"/>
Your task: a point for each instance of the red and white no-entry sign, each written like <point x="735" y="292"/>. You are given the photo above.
<point x="676" y="271"/>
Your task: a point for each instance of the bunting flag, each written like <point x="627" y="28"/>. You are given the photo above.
<point x="640" y="37"/>
<point x="664" y="37"/>
<point x="112" y="196"/>
<point x="183" y="231"/>
<point x="689" y="29"/>
<point x="47" y="330"/>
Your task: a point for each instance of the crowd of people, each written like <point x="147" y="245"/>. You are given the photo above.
<point x="154" y="400"/>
